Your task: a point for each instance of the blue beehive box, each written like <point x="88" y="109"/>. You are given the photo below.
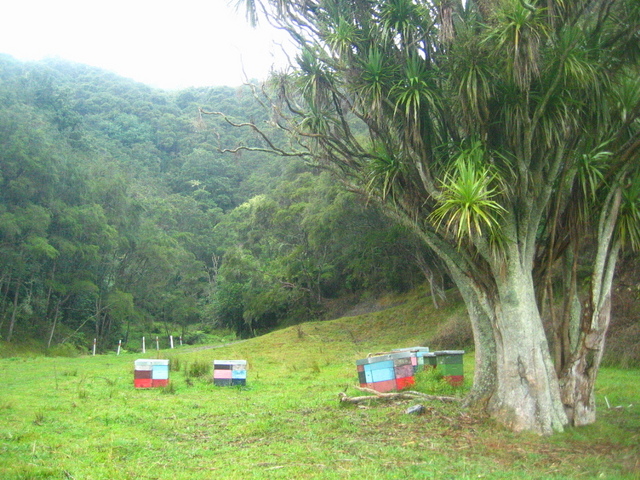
<point x="387" y="372"/>
<point x="229" y="372"/>
<point x="377" y="372"/>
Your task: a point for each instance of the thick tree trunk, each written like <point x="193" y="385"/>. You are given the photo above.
<point x="515" y="381"/>
<point x="484" y="378"/>
<point x="578" y="381"/>
<point x="578" y="377"/>
<point x="527" y="394"/>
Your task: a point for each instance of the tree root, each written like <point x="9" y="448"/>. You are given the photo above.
<point x="404" y="395"/>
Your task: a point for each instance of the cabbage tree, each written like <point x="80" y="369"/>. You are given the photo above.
<point x="506" y="134"/>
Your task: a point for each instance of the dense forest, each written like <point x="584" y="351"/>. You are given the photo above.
<point x="119" y="216"/>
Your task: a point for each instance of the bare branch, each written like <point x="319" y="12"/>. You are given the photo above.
<point x="271" y="147"/>
<point x="404" y="395"/>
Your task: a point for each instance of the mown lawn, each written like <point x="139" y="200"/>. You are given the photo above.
<point x="81" y="418"/>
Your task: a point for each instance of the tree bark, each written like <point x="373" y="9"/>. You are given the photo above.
<point x="514" y="380"/>
<point x="579" y="374"/>
<point x="53" y="325"/>
<point x="527" y="395"/>
<point x="484" y="378"/>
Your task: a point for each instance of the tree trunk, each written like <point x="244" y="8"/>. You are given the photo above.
<point x="14" y="313"/>
<point x="515" y="381"/>
<point x="484" y="378"/>
<point x="579" y="375"/>
<point x="527" y="394"/>
<point x="3" y="304"/>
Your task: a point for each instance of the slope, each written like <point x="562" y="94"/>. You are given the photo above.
<point x="81" y="417"/>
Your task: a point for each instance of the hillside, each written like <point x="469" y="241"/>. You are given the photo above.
<point x="120" y="215"/>
<point x="81" y="417"/>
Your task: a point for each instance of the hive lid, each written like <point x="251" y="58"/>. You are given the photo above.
<point x="229" y="362"/>
<point x="150" y="362"/>
<point x="411" y="349"/>
<point x="384" y="357"/>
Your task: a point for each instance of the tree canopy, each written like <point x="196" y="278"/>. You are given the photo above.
<point x="505" y="134"/>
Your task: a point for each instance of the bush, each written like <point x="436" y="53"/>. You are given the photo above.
<point x="432" y="382"/>
<point x="63" y="350"/>
<point x="455" y="334"/>
<point x="198" y="369"/>
<point x="623" y="347"/>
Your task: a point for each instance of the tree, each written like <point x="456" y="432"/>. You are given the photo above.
<point x="474" y="123"/>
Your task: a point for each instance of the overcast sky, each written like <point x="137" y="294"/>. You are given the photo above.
<point x="166" y="44"/>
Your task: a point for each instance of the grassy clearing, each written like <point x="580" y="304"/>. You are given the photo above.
<point x="81" y="418"/>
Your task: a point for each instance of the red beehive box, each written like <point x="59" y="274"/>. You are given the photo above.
<point x="151" y="373"/>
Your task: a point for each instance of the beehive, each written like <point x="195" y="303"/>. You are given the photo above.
<point x="388" y="372"/>
<point x="151" y="373"/>
<point x="421" y="357"/>
<point x="450" y="365"/>
<point x="229" y="372"/>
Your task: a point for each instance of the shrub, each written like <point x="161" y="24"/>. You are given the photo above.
<point x="452" y="335"/>
<point x="198" y="369"/>
<point x="432" y="382"/>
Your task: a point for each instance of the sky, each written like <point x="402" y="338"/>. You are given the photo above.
<point x="165" y="44"/>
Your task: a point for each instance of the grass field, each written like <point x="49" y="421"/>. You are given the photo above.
<point x="81" y="418"/>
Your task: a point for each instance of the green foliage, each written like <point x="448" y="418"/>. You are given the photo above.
<point x="431" y="382"/>
<point x="119" y="215"/>
<point x="109" y="192"/>
<point x="629" y="223"/>
<point x="288" y="252"/>
<point x="468" y="198"/>
<point x="538" y="95"/>
<point x="198" y="369"/>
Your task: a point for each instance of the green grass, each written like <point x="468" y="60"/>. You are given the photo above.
<point x="81" y="418"/>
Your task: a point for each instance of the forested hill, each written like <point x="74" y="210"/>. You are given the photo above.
<point x="118" y="215"/>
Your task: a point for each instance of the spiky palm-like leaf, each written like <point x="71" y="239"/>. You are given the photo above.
<point x="518" y="33"/>
<point x="591" y="171"/>
<point x="416" y="97"/>
<point x="342" y="37"/>
<point x="398" y="18"/>
<point x="315" y="77"/>
<point x="474" y="89"/>
<point x="467" y="205"/>
<point x="316" y="122"/>
<point x="374" y="81"/>
<point x="383" y="170"/>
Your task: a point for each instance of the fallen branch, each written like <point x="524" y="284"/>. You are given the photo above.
<point x="405" y="395"/>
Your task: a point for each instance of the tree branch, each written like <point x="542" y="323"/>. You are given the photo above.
<point x="404" y="395"/>
<point x="271" y="147"/>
